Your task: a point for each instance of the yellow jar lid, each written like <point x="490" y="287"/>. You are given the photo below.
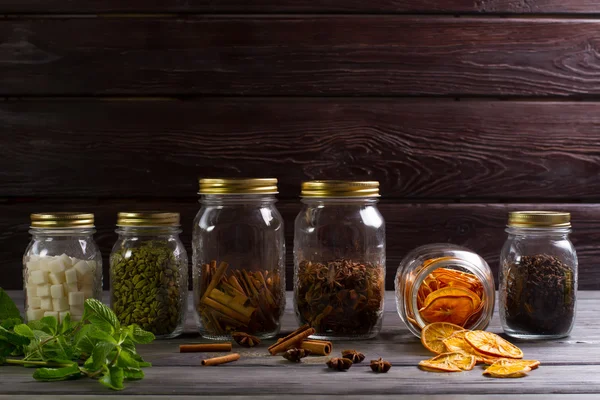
<point x="238" y="186"/>
<point x="148" y="218"/>
<point x="340" y="189"/>
<point x="539" y="219"/>
<point x="62" y="220"/>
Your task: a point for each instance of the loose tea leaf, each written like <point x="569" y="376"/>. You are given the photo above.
<point x="342" y="296"/>
<point x="295" y="355"/>
<point x="353" y="355"/>
<point x="539" y="295"/>
<point x="340" y="364"/>
<point x="380" y="365"/>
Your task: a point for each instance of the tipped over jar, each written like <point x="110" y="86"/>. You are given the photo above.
<point x="339" y="259"/>
<point x="239" y="259"/>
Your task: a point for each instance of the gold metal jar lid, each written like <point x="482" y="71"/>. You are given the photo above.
<point x="238" y="186"/>
<point x="539" y="219"/>
<point x="340" y="189"/>
<point x="62" y="220"/>
<point x="148" y="218"/>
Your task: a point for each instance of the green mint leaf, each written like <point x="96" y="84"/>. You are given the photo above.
<point x="65" y="325"/>
<point x="98" y="313"/>
<point x="126" y="360"/>
<point x="113" y="378"/>
<point x="99" y="355"/>
<point x="8" y="308"/>
<point x="58" y="349"/>
<point x="6" y="349"/>
<point x="10" y="323"/>
<point x="57" y="374"/>
<point x="133" y="374"/>
<point x="138" y="335"/>
<point x="101" y="335"/>
<point x="24" y="330"/>
<point x="13" y="338"/>
<point x="49" y="325"/>
<point x="128" y="345"/>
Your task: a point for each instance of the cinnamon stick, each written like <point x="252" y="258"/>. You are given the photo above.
<point x="204" y="347"/>
<point x="290" y="340"/>
<point x="317" y="347"/>
<point x="215" y="279"/>
<point x="226" y="310"/>
<point x="221" y="360"/>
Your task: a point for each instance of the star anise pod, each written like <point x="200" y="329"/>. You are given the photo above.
<point x="244" y="339"/>
<point x="353" y="355"/>
<point x="295" y="355"/>
<point x="380" y="365"/>
<point x="339" y="364"/>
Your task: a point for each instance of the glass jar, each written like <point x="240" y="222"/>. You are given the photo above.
<point x="62" y="266"/>
<point x="339" y="259"/>
<point x="444" y="283"/>
<point x="239" y="258"/>
<point x="149" y="273"/>
<point x="538" y="276"/>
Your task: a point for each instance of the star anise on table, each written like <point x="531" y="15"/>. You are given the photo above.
<point x="353" y="355"/>
<point x="295" y="355"/>
<point x="245" y="339"/>
<point x="380" y="365"/>
<point x="340" y="364"/>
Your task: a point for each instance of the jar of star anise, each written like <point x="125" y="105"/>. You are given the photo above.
<point x="444" y="283"/>
<point x="339" y="259"/>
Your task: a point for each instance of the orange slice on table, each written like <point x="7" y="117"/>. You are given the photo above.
<point x="453" y="309"/>
<point x="458" y="344"/>
<point x="492" y="345"/>
<point x="511" y="368"/>
<point x="449" y="362"/>
<point x="433" y="336"/>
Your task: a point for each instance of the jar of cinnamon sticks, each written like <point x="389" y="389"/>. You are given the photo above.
<point x="239" y="259"/>
<point x="339" y="259"/>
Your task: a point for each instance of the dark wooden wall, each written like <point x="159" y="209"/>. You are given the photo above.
<point x="463" y="109"/>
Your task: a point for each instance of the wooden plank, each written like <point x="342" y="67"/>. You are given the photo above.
<point x="477" y="226"/>
<point x="418" y="149"/>
<point x="310" y="397"/>
<point x="298" y="55"/>
<point x="303" y="6"/>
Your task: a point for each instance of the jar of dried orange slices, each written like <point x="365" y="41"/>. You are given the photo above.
<point x="444" y="283"/>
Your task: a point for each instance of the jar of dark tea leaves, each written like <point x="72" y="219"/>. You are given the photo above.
<point x="339" y="259"/>
<point x="538" y="276"/>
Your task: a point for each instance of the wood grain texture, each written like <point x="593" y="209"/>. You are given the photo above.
<point x="299" y="55"/>
<point x="565" y="369"/>
<point x="302" y="6"/>
<point x="419" y="149"/>
<point x="476" y="226"/>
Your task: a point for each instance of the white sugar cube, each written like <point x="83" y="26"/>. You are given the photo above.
<point x="76" y="311"/>
<point x="34" y="315"/>
<point x="44" y="262"/>
<point x="92" y="265"/>
<point x="34" y="302"/>
<point x="62" y="315"/>
<point x="88" y="280"/>
<point x="88" y="292"/>
<point x="76" y="298"/>
<point x="51" y="314"/>
<point x="75" y="318"/>
<point x="60" y="304"/>
<point x="82" y="268"/>
<point x="66" y="260"/>
<point x="71" y="287"/>
<point x="57" y="291"/>
<point x="43" y="290"/>
<point x="57" y="278"/>
<point x="46" y="304"/>
<point x="32" y="265"/>
<point x="39" y="277"/>
<point x="57" y="265"/>
<point x="31" y="291"/>
<point x="71" y="275"/>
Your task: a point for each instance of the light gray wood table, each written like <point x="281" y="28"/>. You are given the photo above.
<point x="570" y="369"/>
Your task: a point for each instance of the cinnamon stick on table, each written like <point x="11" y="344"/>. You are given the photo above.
<point x="221" y="360"/>
<point x="204" y="347"/>
<point x="292" y="339"/>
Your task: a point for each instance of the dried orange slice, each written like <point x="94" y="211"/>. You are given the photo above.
<point x="492" y="345"/>
<point x="458" y="344"/>
<point x="453" y="291"/>
<point x="449" y="362"/>
<point x="510" y="368"/>
<point x="433" y="335"/>
<point x="453" y="309"/>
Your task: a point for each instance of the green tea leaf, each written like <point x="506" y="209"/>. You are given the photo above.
<point x="98" y="313"/>
<point x="8" y="308"/>
<point x="101" y="351"/>
<point x="133" y="374"/>
<point x="24" y="330"/>
<point x="138" y="335"/>
<point x="113" y="378"/>
<point x="57" y="374"/>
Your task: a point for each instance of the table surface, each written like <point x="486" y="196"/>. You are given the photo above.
<point x="570" y="369"/>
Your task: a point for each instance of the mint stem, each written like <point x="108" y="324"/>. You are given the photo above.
<point x="36" y="363"/>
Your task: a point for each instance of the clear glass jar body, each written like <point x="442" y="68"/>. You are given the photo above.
<point x="62" y="267"/>
<point x="339" y="267"/>
<point x="538" y="283"/>
<point x="439" y="266"/>
<point x="238" y="265"/>
<point x="149" y="279"/>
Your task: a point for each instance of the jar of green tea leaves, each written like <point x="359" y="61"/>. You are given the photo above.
<point x="149" y="273"/>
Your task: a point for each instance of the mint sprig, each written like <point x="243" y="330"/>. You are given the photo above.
<point x="106" y="348"/>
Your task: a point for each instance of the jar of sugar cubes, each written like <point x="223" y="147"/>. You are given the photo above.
<point x="62" y="266"/>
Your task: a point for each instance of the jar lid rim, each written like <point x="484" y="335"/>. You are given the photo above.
<point x="148" y="218"/>
<point x="539" y="219"/>
<point x="62" y="219"/>
<point x="340" y="188"/>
